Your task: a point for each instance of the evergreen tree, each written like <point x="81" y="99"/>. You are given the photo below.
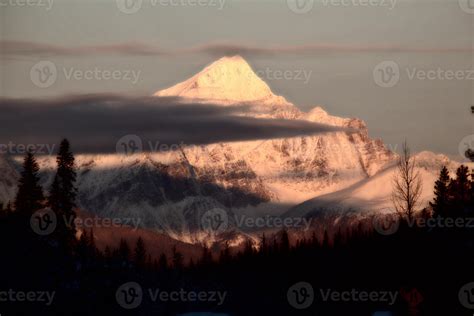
<point x="284" y="242"/>
<point x="140" y="255"/>
<point x="63" y="194"/>
<point x="124" y="250"/>
<point x="460" y="191"/>
<point x="83" y="246"/>
<point x="93" y="248"/>
<point x="440" y="204"/>
<point x="29" y="197"/>
<point x="177" y="259"/>
<point x="206" y="257"/>
<point x="163" y="262"/>
<point x="225" y="255"/>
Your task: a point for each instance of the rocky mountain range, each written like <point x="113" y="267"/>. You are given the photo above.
<point x="171" y="191"/>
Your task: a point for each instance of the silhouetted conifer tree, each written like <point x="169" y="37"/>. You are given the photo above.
<point x="140" y="254"/>
<point x="29" y="197"/>
<point x="163" y="262"/>
<point x="460" y="191"/>
<point x="63" y="194"/>
<point x="441" y="201"/>
<point x="177" y="259"/>
<point x="124" y="250"/>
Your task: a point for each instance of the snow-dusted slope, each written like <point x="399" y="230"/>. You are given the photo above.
<point x="372" y="195"/>
<point x="170" y="191"/>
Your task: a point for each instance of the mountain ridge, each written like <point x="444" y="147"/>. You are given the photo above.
<point x="170" y="191"/>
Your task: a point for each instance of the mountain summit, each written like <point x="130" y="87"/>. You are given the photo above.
<point x="229" y="80"/>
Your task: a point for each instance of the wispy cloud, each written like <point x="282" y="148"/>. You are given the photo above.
<point x="95" y="123"/>
<point x="21" y="48"/>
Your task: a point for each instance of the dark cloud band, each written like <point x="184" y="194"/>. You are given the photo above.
<point x="95" y="123"/>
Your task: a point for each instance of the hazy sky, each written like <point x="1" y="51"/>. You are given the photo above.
<point x="329" y="51"/>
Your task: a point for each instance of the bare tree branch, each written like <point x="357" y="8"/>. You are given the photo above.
<point x="407" y="185"/>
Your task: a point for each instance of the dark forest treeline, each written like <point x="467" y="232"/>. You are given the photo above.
<point x="433" y="262"/>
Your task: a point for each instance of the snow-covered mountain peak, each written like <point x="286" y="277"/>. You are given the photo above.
<point x="229" y="80"/>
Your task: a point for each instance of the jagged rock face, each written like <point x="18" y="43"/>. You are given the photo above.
<point x="170" y="191"/>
